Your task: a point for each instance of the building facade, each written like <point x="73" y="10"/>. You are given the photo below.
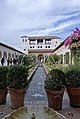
<point x="41" y="46"/>
<point x="8" y="52"/>
<point x="65" y="53"/>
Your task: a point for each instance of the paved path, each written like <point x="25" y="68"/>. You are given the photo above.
<point x="36" y="93"/>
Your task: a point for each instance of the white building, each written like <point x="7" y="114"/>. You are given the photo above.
<point x="8" y="52"/>
<point x="62" y="50"/>
<point x="41" y="46"/>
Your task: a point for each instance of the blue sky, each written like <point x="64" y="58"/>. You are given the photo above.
<point x="37" y="17"/>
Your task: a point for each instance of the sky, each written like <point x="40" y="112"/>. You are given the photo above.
<point x="37" y="17"/>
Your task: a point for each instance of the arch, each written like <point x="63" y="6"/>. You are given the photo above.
<point x="40" y="57"/>
<point x="9" y="55"/>
<point x="5" y="55"/>
<point x="13" y="56"/>
<point x="61" y="58"/>
<point x="67" y="57"/>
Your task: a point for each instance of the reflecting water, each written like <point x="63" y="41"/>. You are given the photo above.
<point x="36" y="90"/>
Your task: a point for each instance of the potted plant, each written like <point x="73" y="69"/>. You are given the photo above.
<point x="3" y="84"/>
<point x="54" y="87"/>
<point x="72" y="82"/>
<point x="17" y="83"/>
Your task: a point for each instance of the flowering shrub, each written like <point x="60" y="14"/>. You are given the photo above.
<point x="73" y="41"/>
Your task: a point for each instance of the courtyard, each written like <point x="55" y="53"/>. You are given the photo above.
<point x="36" y="98"/>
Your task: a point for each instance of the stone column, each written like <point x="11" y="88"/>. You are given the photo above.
<point x="43" y="43"/>
<point x="2" y="53"/>
<point x="7" y="55"/>
<point x="63" y="58"/>
<point x="70" y="58"/>
<point x="36" y="43"/>
<point x="44" y="58"/>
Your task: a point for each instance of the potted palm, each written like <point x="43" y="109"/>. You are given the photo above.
<point x="54" y="87"/>
<point x="72" y="82"/>
<point x="17" y="84"/>
<point x="3" y="84"/>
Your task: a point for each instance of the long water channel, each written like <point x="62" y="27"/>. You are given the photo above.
<point x="36" y="93"/>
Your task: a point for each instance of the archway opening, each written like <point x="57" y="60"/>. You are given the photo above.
<point x="5" y="55"/>
<point x="40" y="58"/>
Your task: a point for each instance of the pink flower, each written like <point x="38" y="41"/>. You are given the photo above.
<point x="67" y="41"/>
<point x="73" y="38"/>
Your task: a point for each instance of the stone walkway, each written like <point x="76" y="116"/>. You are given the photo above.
<point x="36" y="97"/>
<point x="36" y="92"/>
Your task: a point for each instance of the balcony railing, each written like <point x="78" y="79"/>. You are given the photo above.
<point x="47" y="43"/>
<point x="39" y="43"/>
<point x="32" y="43"/>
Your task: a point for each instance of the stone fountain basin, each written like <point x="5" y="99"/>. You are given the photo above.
<point x="42" y="113"/>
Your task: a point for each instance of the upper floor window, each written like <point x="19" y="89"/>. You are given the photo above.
<point x="32" y="42"/>
<point x="39" y="46"/>
<point x="48" y="46"/>
<point x="24" y="49"/>
<point x="40" y="41"/>
<point x="30" y="46"/>
<point x="48" y="41"/>
<point x="23" y="40"/>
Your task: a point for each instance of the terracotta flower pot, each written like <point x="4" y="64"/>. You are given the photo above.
<point x="17" y="97"/>
<point x="55" y="98"/>
<point x="3" y="93"/>
<point x="74" y="96"/>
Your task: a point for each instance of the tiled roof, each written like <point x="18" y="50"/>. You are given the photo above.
<point x="7" y="46"/>
<point x="41" y="37"/>
<point x="40" y="50"/>
<point x="24" y="36"/>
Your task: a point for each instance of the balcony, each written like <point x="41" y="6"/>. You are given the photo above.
<point x="47" y="43"/>
<point x="32" y="43"/>
<point x="40" y="43"/>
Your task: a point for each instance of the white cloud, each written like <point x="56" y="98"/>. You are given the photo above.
<point x="37" y="17"/>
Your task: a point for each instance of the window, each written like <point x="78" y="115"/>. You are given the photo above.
<point x="38" y="46"/>
<point x="48" y="46"/>
<point x="30" y="46"/>
<point x="41" y="46"/>
<point x="40" y="41"/>
<point x="56" y="41"/>
<point x="32" y="42"/>
<point x="47" y="41"/>
<point x="23" y="40"/>
<point x="24" y="49"/>
<point x="33" y="46"/>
